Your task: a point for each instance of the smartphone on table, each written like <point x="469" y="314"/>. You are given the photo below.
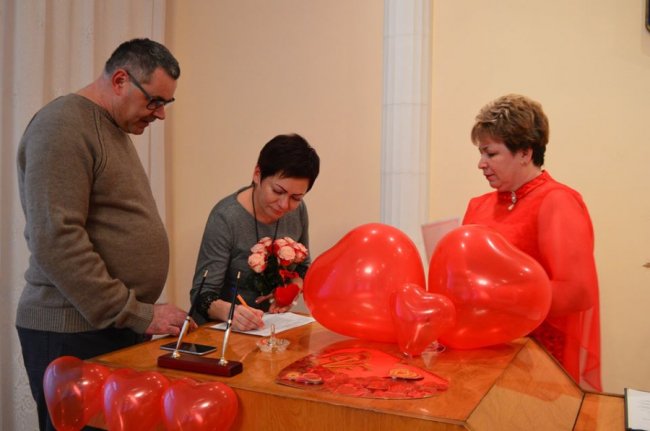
<point x="191" y="348"/>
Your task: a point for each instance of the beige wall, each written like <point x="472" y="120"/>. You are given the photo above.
<point x="252" y="70"/>
<point x="257" y="68"/>
<point x="588" y="62"/>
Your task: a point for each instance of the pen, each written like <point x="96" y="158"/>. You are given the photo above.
<point x="243" y="302"/>
<point x="188" y="318"/>
<point x="198" y="294"/>
<point x="223" y="360"/>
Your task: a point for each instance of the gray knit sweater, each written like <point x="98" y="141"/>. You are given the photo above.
<point x="99" y="251"/>
<point x="228" y="237"/>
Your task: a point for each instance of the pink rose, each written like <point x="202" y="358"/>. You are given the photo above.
<point x="259" y="248"/>
<point x="278" y="244"/>
<point x="257" y="262"/>
<point x="301" y="252"/>
<point x="286" y="255"/>
<point x="266" y="242"/>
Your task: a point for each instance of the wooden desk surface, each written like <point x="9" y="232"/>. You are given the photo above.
<point x="485" y="386"/>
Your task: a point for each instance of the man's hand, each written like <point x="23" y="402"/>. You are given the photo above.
<point x="168" y="319"/>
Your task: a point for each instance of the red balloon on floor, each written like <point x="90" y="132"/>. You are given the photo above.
<point x="192" y="406"/>
<point x="73" y="391"/>
<point x="132" y="399"/>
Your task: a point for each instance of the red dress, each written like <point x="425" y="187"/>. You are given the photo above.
<point x="550" y="222"/>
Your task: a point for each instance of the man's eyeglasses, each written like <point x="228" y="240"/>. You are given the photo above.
<point x="153" y="102"/>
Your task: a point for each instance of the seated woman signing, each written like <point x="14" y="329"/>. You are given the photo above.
<point x="545" y="219"/>
<point x="269" y="211"/>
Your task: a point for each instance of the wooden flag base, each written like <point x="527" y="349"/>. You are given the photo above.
<point x="199" y="364"/>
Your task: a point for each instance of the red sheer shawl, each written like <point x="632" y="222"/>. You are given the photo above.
<point x="550" y="222"/>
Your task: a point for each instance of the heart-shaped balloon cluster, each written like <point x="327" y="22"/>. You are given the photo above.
<point x="348" y="287"/>
<point x="76" y="391"/>
<point x="73" y="391"/>
<point x="499" y="292"/>
<point x="481" y="289"/>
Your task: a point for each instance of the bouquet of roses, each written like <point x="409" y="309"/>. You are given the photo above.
<point x="273" y="264"/>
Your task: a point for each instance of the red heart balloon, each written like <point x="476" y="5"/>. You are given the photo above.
<point x="500" y="293"/>
<point x="192" y="406"/>
<point x="73" y="391"/>
<point x="284" y="295"/>
<point x="420" y="317"/>
<point x="132" y="399"/>
<point x="348" y="287"/>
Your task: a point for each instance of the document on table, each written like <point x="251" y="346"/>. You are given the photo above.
<point x="282" y="322"/>
<point x="637" y="410"/>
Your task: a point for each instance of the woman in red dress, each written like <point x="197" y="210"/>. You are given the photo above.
<point x="545" y="219"/>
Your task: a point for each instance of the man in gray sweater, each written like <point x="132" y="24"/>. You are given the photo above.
<point x="99" y="250"/>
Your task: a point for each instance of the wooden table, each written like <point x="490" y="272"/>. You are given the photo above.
<point x="506" y="387"/>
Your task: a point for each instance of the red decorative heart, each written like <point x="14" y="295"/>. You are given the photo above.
<point x="420" y="317"/>
<point x="348" y="287"/>
<point x="192" y="406"/>
<point x="73" y="391"/>
<point x="500" y="293"/>
<point x="361" y="372"/>
<point x="132" y="399"/>
<point x="284" y="295"/>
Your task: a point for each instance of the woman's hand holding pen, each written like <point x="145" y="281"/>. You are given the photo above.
<point x="247" y="318"/>
<point x="244" y="318"/>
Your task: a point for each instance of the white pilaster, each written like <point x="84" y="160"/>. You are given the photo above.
<point x="405" y="122"/>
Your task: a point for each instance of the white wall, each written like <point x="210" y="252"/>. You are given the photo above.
<point x="252" y="70"/>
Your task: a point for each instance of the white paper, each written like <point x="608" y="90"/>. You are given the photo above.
<point x="637" y="405"/>
<point x="282" y="322"/>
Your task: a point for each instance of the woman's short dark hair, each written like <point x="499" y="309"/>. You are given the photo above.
<point x="141" y="57"/>
<point x="290" y="156"/>
<point x="517" y="121"/>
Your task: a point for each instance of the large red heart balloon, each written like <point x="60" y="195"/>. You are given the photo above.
<point x="132" y="399"/>
<point x="420" y="317"/>
<point x="500" y="293"/>
<point x="348" y="287"/>
<point x="192" y="406"/>
<point x="73" y="391"/>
